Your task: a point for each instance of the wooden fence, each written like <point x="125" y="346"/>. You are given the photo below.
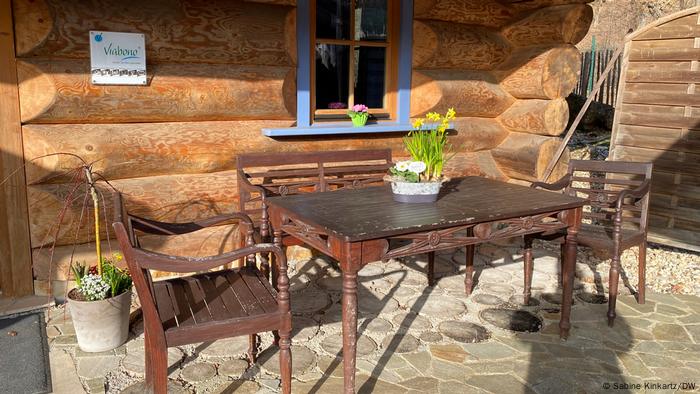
<point x="592" y="65"/>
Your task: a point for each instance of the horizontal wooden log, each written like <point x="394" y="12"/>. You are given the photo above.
<point x="170" y="198"/>
<point x="541" y="73"/>
<point x="475" y="12"/>
<point x="205" y="242"/>
<point x="173" y="198"/>
<point x="529" y="5"/>
<point x="470" y="93"/>
<point x="131" y="150"/>
<point x="232" y="32"/>
<point x="562" y="24"/>
<point x="451" y="45"/>
<point x="525" y="157"/>
<point x="60" y="92"/>
<point x="475" y="164"/>
<point x="545" y="117"/>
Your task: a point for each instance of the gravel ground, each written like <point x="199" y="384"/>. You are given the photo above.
<point x="668" y="269"/>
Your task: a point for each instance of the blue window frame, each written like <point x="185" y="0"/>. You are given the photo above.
<point x="305" y="124"/>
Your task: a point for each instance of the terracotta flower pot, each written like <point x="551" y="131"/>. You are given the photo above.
<point x="101" y="325"/>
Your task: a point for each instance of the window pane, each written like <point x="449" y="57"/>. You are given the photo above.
<point x="370" y="20"/>
<point x="333" y="19"/>
<point x="332" y="76"/>
<point x="370" y="71"/>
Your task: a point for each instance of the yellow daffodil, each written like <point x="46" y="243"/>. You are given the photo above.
<point x="433" y="116"/>
<point x="418" y="123"/>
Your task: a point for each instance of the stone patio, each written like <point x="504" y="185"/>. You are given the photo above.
<point x="420" y="339"/>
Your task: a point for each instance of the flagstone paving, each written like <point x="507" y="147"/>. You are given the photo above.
<point x="419" y="339"/>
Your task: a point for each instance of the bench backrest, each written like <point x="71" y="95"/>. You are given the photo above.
<point x="280" y="174"/>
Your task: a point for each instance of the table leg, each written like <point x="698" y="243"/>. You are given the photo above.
<point x="469" y="270"/>
<point x="568" y="272"/>
<point x="349" y="328"/>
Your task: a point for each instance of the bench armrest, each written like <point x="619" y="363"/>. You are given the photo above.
<point x="244" y="183"/>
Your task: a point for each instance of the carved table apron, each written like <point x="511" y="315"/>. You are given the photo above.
<point x="355" y="227"/>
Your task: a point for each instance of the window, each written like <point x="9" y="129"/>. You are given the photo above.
<point x="352" y="46"/>
<point x="352" y="52"/>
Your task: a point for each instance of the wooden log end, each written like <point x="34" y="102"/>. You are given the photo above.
<point x="545" y="117"/>
<point x="541" y="72"/>
<point x="560" y="24"/>
<point x="37" y="91"/>
<point x="33" y="23"/>
<point x="470" y="93"/>
<point x="526" y="156"/>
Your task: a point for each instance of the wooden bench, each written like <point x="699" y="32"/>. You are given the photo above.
<point x="263" y="175"/>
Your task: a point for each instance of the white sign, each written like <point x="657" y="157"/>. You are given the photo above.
<point x="117" y="58"/>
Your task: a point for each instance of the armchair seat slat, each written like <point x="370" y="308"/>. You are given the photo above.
<point x="213" y="298"/>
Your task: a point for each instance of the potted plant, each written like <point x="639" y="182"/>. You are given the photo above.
<point x="100" y="303"/>
<point x="359" y="113"/>
<point x="418" y="180"/>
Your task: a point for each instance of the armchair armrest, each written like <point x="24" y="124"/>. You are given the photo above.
<point x="150" y="226"/>
<point x="637" y="193"/>
<point x="558" y="185"/>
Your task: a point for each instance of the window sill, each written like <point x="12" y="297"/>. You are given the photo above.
<point x="338" y="128"/>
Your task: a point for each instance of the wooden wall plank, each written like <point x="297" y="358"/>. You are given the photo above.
<point x="658" y="98"/>
<point x="659" y="120"/>
<point x="659" y="138"/>
<point x="59" y="91"/>
<point x="15" y="260"/>
<point x="644" y="54"/>
<point x="664" y="76"/>
<point x="130" y="150"/>
<point x="204" y="32"/>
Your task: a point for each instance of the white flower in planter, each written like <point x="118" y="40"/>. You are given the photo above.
<point x="417" y="167"/>
<point x="403" y="165"/>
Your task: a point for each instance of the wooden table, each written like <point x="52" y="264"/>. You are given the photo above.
<point x="354" y="226"/>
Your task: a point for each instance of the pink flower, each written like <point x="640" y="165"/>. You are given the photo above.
<point x="337" y="105"/>
<point x="360" y="108"/>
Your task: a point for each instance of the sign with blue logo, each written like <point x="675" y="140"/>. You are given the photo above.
<point x="117" y="58"/>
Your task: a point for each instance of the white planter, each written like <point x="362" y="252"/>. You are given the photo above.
<point x="101" y="325"/>
<point x="415" y="192"/>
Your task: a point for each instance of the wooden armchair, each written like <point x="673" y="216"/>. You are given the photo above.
<point x="616" y="218"/>
<point x="206" y="306"/>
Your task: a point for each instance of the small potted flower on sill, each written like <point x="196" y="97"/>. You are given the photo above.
<point x="418" y="180"/>
<point x="359" y="113"/>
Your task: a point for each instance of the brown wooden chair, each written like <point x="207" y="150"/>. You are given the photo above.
<point x="615" y="218"/>
<point x="208" y="305"/>
<point x="136" y="226"/>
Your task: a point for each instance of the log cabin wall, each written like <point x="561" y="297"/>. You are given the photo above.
<point x="220" y="71"/>
<point x="657" y="120"/>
